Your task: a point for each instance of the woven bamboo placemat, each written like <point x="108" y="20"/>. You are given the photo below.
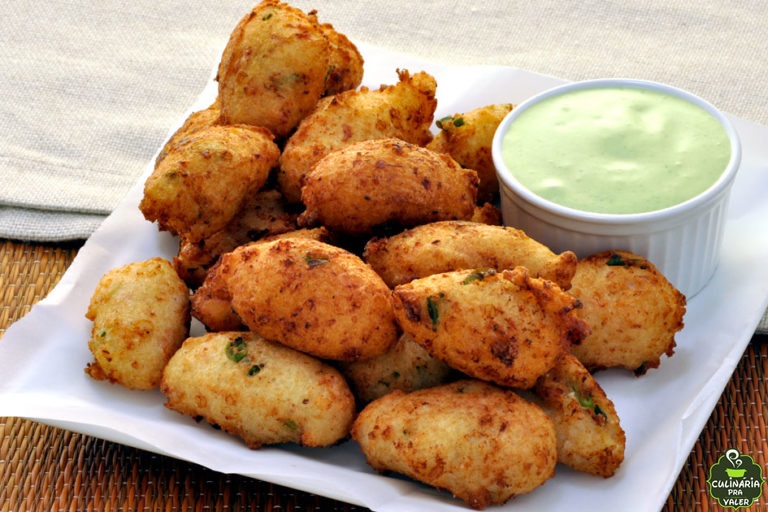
<point x="43" y="468"/>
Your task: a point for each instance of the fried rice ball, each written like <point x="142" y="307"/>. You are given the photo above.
<point x="404" y="111"/>
<point x="260" y="391"/>
<point x="453" y="245"/>
<point x="383" y="182"/>
<point x="483" y="444"/>
<point x="212" y="302"/>
<point x="263" y="214"/>
<point x="273" y="68"/>
<point x="589" y="433"/>
<point x="140" y="314"/>
<point x="504" y="327"/>
<point x="406" y="366"/>
<point x="468" y="138"/>
<point x="312" y="296"/>
<point x="633" y="311"/>
<point x="197" y="189"/>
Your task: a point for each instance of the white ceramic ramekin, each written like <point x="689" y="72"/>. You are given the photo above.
<point x="683" y="241"/>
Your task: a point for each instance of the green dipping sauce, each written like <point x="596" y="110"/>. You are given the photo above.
<point x="618" y="150"/>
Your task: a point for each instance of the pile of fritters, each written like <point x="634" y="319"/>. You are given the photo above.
<point x="354" y="281"/>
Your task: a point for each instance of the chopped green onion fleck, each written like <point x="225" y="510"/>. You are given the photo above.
<point x="292" y="425"/>
<point x="253" y="370"/>
<point x="588" y="402"/>
<point x="440" y="122"/>
<point x="585" y="401"/>
<point x="432" y="310"/>
<point x="314" y="262"/>
<point x="237" y="349"/>
<point x="617" y="261"/>
<point x="478" y="275"/>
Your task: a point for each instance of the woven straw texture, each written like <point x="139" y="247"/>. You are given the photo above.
<point x="47" y="469"/>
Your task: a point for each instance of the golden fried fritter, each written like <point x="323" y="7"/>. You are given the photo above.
<point x="589" y="433"/>
<point x="633" y="310"/>
<point x="196" y="121"/>
<point x="140" y="315"/>
<point x="467" y="138"/>
<point x="406" y="366"/>
<point x="483" y="444"/>
<point x="487" y="214"/>
<point x="403" y="111"/>
<point x="200" y="185"/>
<point x="262" y="214"/>
<point x="453" y="245"/>
<point x="273" y="69"/>
<point x="312" y="296"/>
<point x="261" y="391"/>
<point x="212" y="302"/>
<point x="345" y="69"/>
<point x="381" y="182"/>
<point x="504" y="327"/>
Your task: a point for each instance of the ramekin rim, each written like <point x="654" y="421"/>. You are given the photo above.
<point x="507" y="179"/>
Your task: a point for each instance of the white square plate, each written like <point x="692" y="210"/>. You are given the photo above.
<point x="42" y="356"/>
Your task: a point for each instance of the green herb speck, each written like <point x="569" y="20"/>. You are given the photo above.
<point x="237" y="349"/>
<point x="478" y="275"/>
<point x="313" y="261"/>
<point x="432" y="310"/>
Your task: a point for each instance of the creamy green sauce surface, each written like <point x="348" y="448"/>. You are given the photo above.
<point x="616" y="149"/>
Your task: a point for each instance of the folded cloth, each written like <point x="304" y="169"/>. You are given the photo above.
<point x="91" y="89"/>
<point x="88" y="94"/>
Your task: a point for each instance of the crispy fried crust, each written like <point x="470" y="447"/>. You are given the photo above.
<point x="260" y="391"/>
<point x="140" y="315"/>
<point x="633" y="310"/>
<point x="589" y="433"/>
<point x="212" y="302"/>
<point x="406" y="366"/>
<point x="455" y="245"/>
<point x="195" y="122"/>
<point x="313" y="297"/>
<point x="377" y="182"/>
<point x="346" y="66"/>
<point x="468" y="138"/>
<point x="263" y="214"/>
<point x="403" y="110"/>
<point x="504" y="327"/>
<point x="483" y="444"/>
<point x="273" y="68"/>
<point x="201" y="184"/>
